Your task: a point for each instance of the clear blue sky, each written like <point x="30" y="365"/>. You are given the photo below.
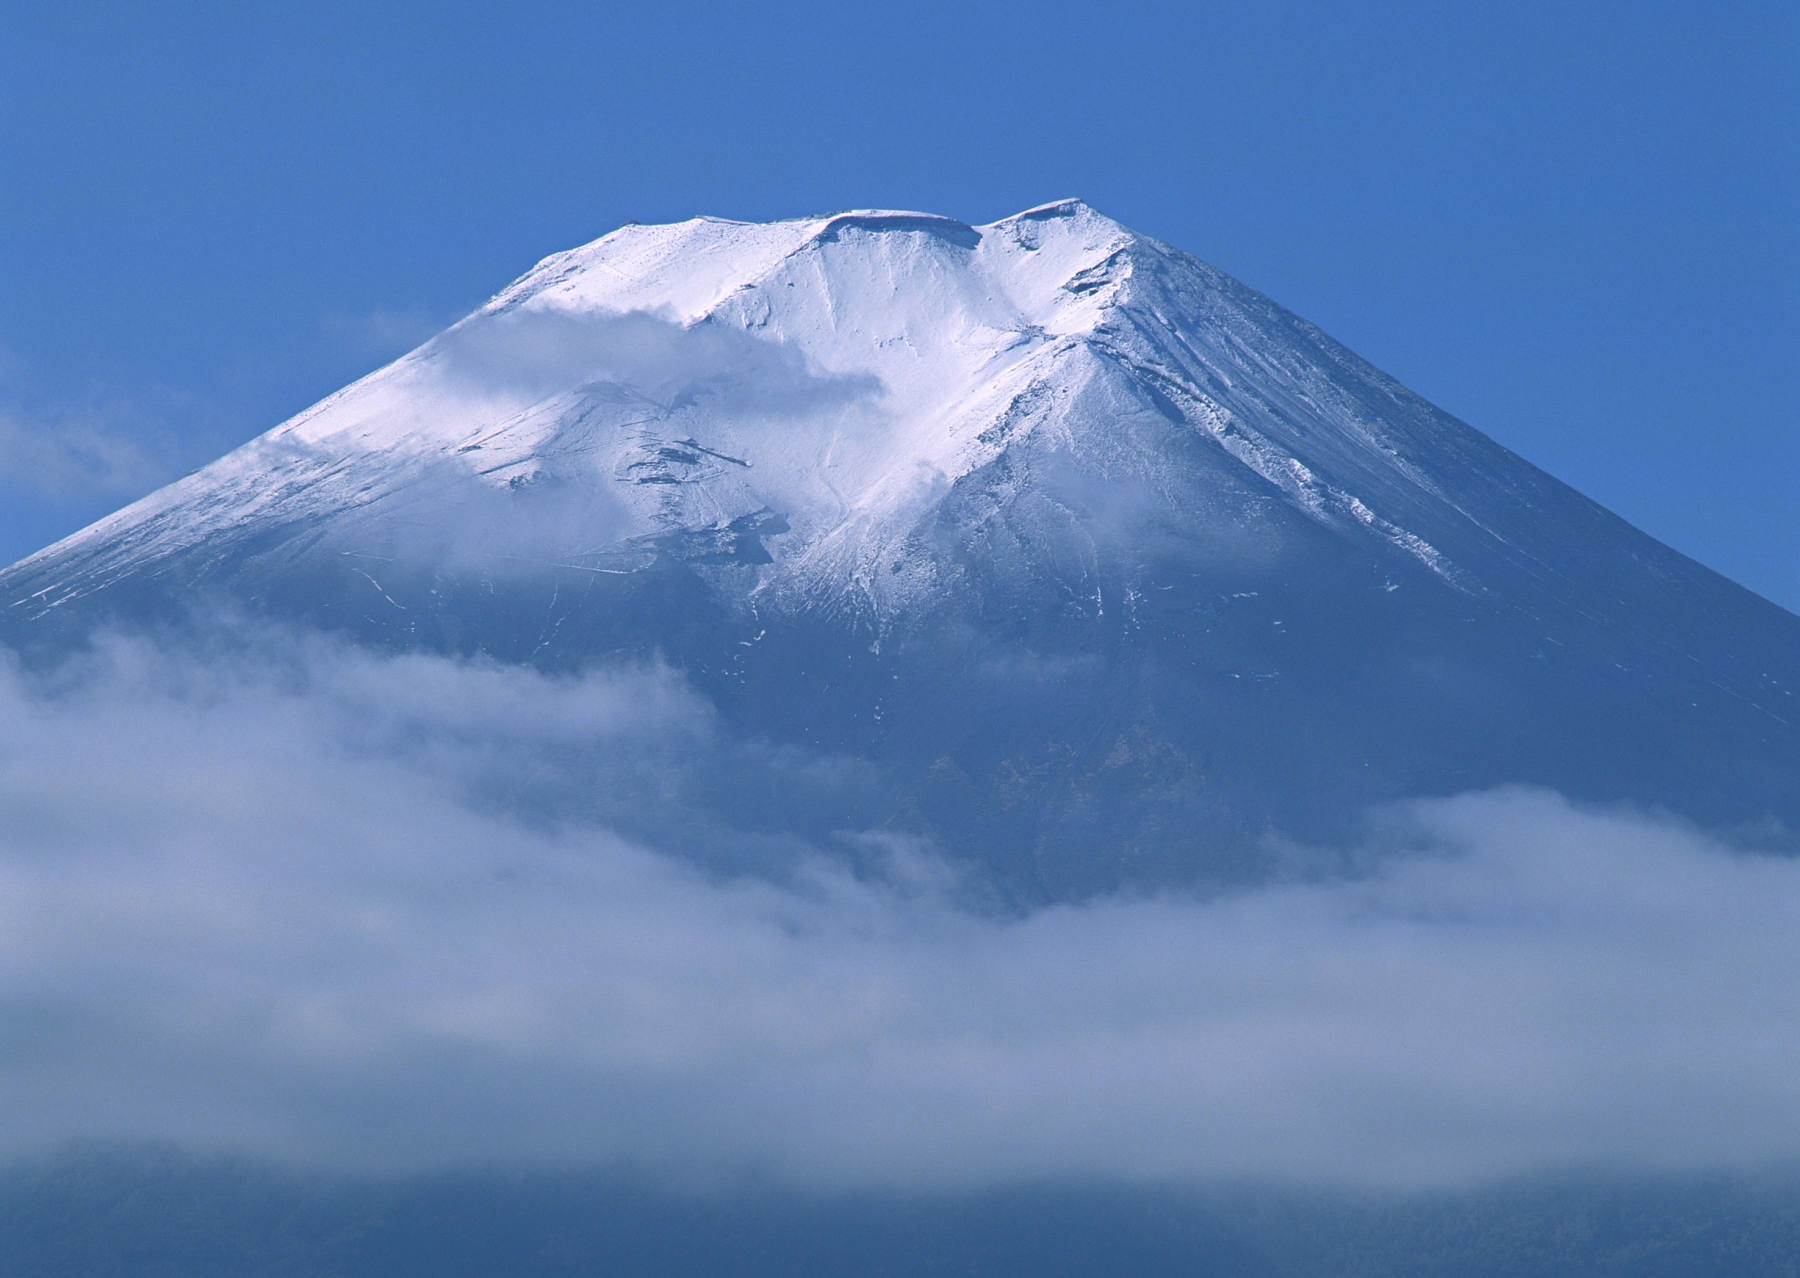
<point x="1574" y="225"/>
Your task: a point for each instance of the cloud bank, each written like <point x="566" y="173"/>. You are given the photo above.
<point x="310" y="903"/>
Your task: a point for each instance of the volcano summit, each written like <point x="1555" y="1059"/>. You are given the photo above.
<point x="1096" y="565"/>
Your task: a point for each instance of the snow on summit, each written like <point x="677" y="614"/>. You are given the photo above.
<point x="838" y="370"/>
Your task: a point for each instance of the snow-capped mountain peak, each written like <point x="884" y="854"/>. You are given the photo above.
<point x="839" y="370"/>
<point x="1069" y="529"/>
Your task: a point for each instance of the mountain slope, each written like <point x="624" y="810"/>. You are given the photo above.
<point x="1111" y="567"/>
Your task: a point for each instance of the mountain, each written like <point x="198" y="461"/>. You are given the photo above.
<point x="1106" y="568"/>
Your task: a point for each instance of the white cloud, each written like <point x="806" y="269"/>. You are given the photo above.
<point x="539" y="351"/>
<point x="94" y="444"/>
<point x="285" y="902"/>
<point x="387" y="331"/>
<point x="87" y="454"/>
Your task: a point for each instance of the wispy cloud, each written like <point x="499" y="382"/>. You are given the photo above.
<point x="387" y="331"/>
<point x="91" y="453"/>
<point x="307" y="902"/>
<point x="538" y="351"/>
<point x="96" y="444"/>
